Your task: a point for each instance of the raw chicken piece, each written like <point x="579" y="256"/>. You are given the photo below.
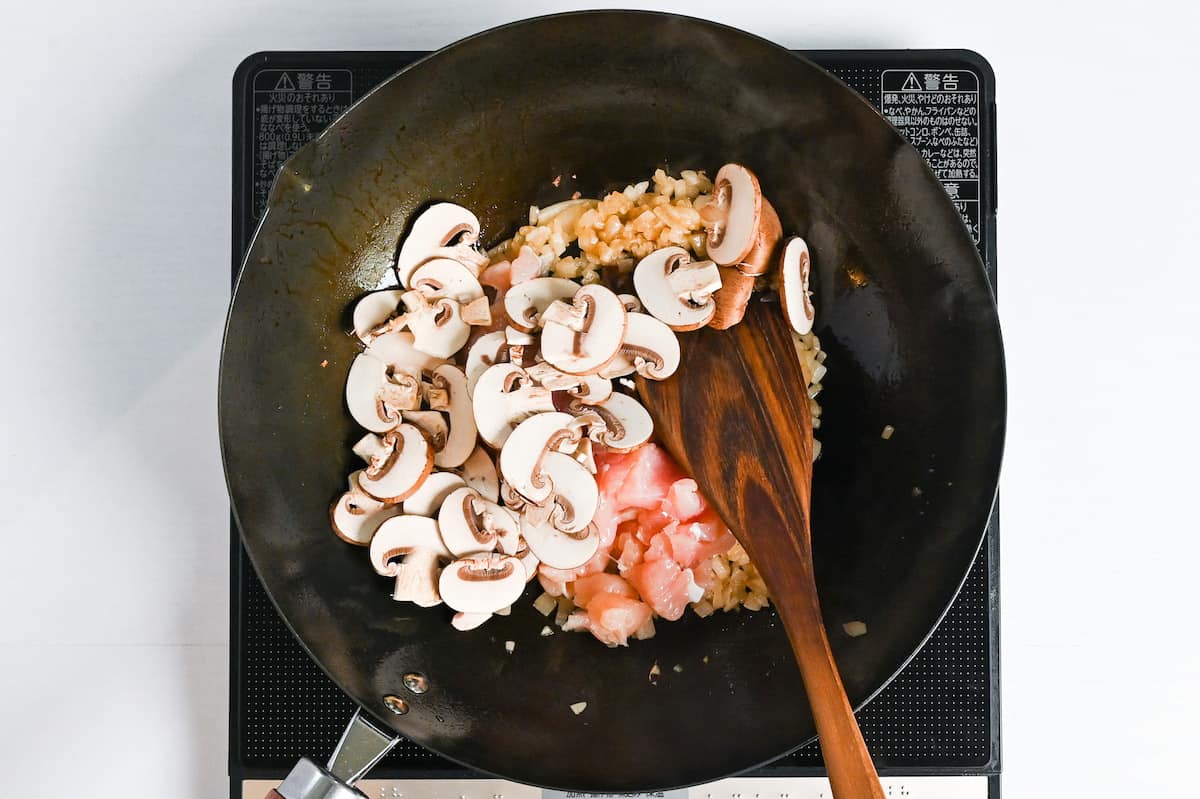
<point x="612" y="618"/>
<point x="683" y="500"/>
<point x="586" y="588"/>
<point x="526" y="266"/>
<point x="629" y="551"/>
<point x="664" y="586"/>
<point x="648" y="480"/>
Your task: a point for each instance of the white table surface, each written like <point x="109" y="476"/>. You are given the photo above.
<point x="114" y="209"/>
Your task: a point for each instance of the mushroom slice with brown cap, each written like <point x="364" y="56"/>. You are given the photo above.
<point x="402" y="466"/>
<point x="469" y="523"/>
<point x="677" y="290"/>
<point x="448" y="392"/>
<point x="588" y="388"/>
<point x="503" y="396"/>
<point x="631" y="302"/>
<point x="416" y="542"/>
<point x="528" y="560"/>
<point x="582" y="336"/>
<point x="356" y="515"/>
<point x="488" y="350"/>
<point x="433" y="425"/>
<point x="438" y="226"/>
<point x="443" y="277"/>
<point x="436" y="323"/>
<point x="731" y="300"/>
<point x="793" y="285"/>
<point x="522" y="455"/>
<point x="464" y="622"/>
<point x="428" y="498"/>
<point x="373" y="311"/>
<point x="483" y="583"/>
<point x="479" y="472"/>
<point x="733" y="215"/>
<point x="560" y="550"/>
<point x="375" y="399"/>
<point x="525" y="302"/>
<point x="649" y="348"/>
<point x="626" y="424"/>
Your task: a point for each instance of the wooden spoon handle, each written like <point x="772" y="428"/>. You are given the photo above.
<point x="852" y="775"/>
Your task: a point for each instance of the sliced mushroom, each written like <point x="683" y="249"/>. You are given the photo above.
<point x="504" y="395"/>
<point x="416" y="541"/>
<point x="488" y="350"/>
<point x="560" y="550"/>
<point x="375" y="400"/>
<point x="373" y="311"/>
<point x="356" y="515"/>
<point x="479" y="472"/>
<point x="443" y="277"/>
<point x="511" y="499"/>
<point x="448" y="392"/>
<point x="574" y="494"/>
<point x="677" y="290"/>
<point x="433" y="425"/>
<point x="793" y="285"/>
<point x="631" y="302"/>
<point x="482" y="583"/>
<point x="470" y="523"/>
<point x="400" y="465"/>
<point x="528" y="560"/>
<point x="436" y="323"/>
<point x="398" y="350"/>
<point x="580" y="337"/>
<point x="525" y="302"/>
<point x="585" y="455"/>
<point x="469" y="621"/>
<point x="650" y="348"/>
<point x="626" y="423"/>
<point x="738" y="219"/>
<point x="428" y="498"/>
<point x="589" y="388"/>
<point x="732" y="299"/>
<point x="522" y="346"/>
<point x="522" y="455"/>
<point x="438" y="226"/>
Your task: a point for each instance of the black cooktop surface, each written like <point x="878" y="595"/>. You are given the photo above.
<point x="939" y="716"/>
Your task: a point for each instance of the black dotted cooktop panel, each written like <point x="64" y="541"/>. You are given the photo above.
<point x="940" y="715"/>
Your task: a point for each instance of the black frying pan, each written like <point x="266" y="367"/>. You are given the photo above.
<point x="603" y="99"/>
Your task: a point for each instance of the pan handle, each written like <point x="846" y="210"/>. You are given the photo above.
<point x="361" y="747"/>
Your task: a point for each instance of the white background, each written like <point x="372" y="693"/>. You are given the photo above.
<point x="114" y="210"/>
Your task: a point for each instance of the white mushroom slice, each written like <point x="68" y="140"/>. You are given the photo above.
<point x="511" y="499"/>
<point x="793" y="285"/>
<point x="374" y="310"/>
<point x="650" y="348"/>
<point x="733" y="215"/>
<point x="522" y="346"/>
<point x="408" y="461"/>
<point x="525" y="302"/>
<point x="448" y="392"/>
<point x="560" y="550"/>
<point x="416" y="540"/>
<point x="552" y="378"/>
<point x="375" y="400"/>
<point x="437" y="226"/>
<point x="626" y="424"/>
<point x="592" y="390"/>
<point x="436" y="323"/>
<point x="433" y="425"/>
<point x="677" y="290"/>
<point x="585" y="455"/>
<point x="631" y="302"/>
<point x="442" y="277"/>
<point x="428" y="498"/>
<point x="397" y="349"/>
<point x="488" y="350"/>
<point x="356" y="515"/>
<point x="482" y="583"/>
<point x="528" y="560"/>
<point x="575" y="495"/>
<point x="582" y="336"/>
<point x="469" y="523"/>
<point x="504" y="395"/>
<point x="479" y="472"/>
<point x="469" y="621"/>
<point x="522" y="454"/>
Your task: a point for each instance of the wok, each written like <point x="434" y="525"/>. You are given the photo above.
<point x="602" y="99"/>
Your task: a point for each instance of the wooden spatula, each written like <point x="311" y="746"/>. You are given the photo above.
<point x="735" y="415"/>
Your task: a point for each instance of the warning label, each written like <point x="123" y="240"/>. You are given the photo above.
<point x="938" y="111"/>
<point x="290" y="108"/>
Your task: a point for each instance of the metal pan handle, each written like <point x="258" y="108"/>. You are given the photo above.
<point x="361" y="747"/>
